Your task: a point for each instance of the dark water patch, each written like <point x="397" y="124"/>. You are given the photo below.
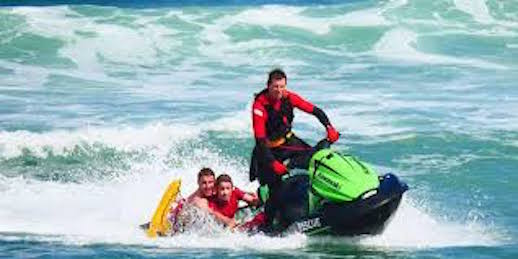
<point x="487" y="48"/>
<point x="242" y="32"/>
<point x="94" y="11"/>
<point x="444" y="144"/>
<point x="354" y="39"/>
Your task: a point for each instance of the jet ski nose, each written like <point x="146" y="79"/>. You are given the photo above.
<point x="390" y="184"/>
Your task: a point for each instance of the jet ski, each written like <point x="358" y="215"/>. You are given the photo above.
<point x="337" y="195"/>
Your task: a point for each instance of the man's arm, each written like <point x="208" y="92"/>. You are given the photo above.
<point x="229" y="222"/>
<point x="300" y="103"/>
<point x="308" y="107"/>
<point x="249" y="198"/>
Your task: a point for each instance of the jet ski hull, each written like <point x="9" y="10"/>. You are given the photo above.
<point x="368" y="214"/>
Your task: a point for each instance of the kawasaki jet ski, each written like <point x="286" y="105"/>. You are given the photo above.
<point x="337" y="195"/>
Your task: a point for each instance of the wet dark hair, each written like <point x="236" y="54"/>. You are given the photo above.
<point x="276" y="74"/>
<point x="224" y="178"/>
<point x="205" y="172"/>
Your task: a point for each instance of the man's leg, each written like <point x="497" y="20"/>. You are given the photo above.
<point x="298" y="151"/>
<point x="271" y="207"/>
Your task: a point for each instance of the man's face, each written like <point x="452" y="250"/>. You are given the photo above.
<point x="224" y="191"/>
<point x="277" y="88"/>
<point x="206" y="185"/>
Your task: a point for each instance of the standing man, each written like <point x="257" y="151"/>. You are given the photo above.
<point x="272" y="116"/>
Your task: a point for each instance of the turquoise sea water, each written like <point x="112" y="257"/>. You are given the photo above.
<point x="102" y="104"/>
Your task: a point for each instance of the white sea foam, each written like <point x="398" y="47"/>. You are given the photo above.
<point x="411" y="227"/>
<point x="115" y="43"/>
<point x="125" y="139"/>
<point x="476" y="8"/>
<point x="110" y="212"/>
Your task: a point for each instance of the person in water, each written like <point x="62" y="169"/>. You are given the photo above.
<point x="272" y="117"/>
<point x="225" y="205"/>
<point x="206" y="191"/>
<point x="199" y="199"/>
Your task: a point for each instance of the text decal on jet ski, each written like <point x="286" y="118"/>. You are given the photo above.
<point x="328" y="180"/>
<point x="308" y="224"/>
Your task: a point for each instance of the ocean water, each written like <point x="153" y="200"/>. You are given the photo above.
<point x="102" y="103"/>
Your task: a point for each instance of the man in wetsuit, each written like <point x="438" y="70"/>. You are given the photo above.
<point x="272" y="116"/>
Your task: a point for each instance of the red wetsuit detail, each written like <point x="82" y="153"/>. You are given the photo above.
<point x="228" y="209"/>
<point x="260" y="116"/>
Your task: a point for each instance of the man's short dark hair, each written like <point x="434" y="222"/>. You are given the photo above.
<point x="205" y="172"/>
<point x="224" y="178"/>
<point x="276" y="74"/>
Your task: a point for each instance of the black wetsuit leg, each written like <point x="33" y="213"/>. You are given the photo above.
<point x="299" y="153"/>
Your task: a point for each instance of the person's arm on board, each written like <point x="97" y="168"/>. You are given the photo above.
<point x="248" y="197"/>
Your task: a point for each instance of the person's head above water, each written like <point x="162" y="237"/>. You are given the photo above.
<point x="276" y="84"/>
<point x="206" y="182"/>
<point x="224" y="187"/>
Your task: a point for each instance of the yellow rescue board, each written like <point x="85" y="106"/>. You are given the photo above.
<point x="159" y="224"/>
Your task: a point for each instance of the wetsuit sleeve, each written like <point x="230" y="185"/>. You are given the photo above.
<point x="322" y="117"/>
<point x="300" y="103"/>
<point x="308" y="107"/>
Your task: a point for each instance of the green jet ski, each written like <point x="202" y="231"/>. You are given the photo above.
<point x="337" y="195"/>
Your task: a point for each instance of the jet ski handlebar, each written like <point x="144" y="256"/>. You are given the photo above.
<point x="324" y="143"/>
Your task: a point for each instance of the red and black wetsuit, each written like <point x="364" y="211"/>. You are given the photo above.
<point x="272" y="120"/>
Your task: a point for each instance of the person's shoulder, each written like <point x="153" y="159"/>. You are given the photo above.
<point x="258" y="107"/>
<point x="260" y="99"/>
<point x="193" y="196"/>
<point x="292" y="94"/>
<point x="200" y="202"/>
